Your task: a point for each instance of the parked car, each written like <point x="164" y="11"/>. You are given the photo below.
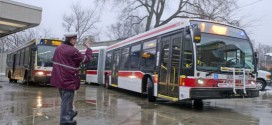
<point x="263" y="79"/>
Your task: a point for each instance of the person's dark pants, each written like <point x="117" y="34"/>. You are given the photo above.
<point x="66" y="113"/>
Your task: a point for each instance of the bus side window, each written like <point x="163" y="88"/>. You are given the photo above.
<point x="8" y="59"/>
<point x="149" y="54"/>
<point x="135" y="56"/>
<point x="124" y="59"/>
<point x="22" y="57"/>
<point x="108" y="61"/>
<point x="27" y="55"/>
<point x="187" y="54"/>
<point x="18" y="58"/>
<point x="92" y="65"/>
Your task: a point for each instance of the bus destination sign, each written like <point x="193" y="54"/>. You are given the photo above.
<point x="50" y="42"/>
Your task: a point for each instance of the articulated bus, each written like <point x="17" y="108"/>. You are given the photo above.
<point x="93" y="72"/>
<point x="191" y="60"/>
<point x="32" y="62"/>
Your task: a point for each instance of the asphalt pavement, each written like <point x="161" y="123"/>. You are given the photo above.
<point x="40" y="105"/>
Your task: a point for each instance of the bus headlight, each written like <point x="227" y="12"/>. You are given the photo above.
<point x="200" y="81"/>
<point x="268" y="77"/>
<point x="40" y="73"/>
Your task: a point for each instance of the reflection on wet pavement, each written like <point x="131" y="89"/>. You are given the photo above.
<point x="22" y="105"/>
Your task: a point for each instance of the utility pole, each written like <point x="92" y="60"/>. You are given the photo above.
<point x="2" y="59"/>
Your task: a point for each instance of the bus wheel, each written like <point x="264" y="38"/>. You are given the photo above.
<point x="198" y="104"/>
<point x="107" y="84"/>
<point x="9" y="76"/>
<point x="14" y="80"/>
<point x="260" y="85"/>
<point x="150" y="91"/>
<point x="26" y="78"/>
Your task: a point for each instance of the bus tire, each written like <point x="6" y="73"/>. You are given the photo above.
<point x="107" y="83"/>
<point x="261" y="84"/>
<point x="9" y="76"/>
<point x="26" y="79"/>
<point x="198" y="104"/>
<point x="14" y="80"/>
<point x="150" y="91"/>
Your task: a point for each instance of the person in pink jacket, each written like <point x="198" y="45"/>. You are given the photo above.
<point x="65" y="74"/>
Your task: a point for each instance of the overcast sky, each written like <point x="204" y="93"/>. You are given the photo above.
<point x="258" y="11"/>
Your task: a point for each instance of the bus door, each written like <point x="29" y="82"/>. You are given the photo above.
<point x="170" y="49"/>
<point x="115" y="67"/>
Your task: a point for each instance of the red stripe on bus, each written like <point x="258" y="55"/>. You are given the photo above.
<point x="95" y="51"/>
<point x="93" y="72"/>
<point x="144" y="35"/>
<point x="107" y="71"/>
<point x="155" y="79"/>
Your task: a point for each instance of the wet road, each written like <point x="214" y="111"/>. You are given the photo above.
<point x="22" y="105"/>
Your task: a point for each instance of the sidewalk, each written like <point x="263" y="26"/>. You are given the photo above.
<point x="3" y="78"/>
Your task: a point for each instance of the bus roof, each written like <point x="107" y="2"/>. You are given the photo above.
<point x="36" y="41"/>
<point x="23" y="46"/>
<point x="94" y="49"/>
<point x="181" y="23"/>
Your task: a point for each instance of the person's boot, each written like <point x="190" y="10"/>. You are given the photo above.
<point x="70" y="123"/>
<point x="74" y="115"/>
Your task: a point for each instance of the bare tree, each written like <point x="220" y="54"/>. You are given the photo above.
<point x="81" y="20"/>
<point x="219" y="10"/>
<point x="125" y="28"/>
<point x="152" y="11"/>
<point x="262" y="50"/>
<point x="15" y="40"/>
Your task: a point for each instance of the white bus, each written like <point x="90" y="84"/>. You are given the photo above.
<point x="191" y="59"/>
<point x="93" y="71"/>
<point x="32" y="62"/>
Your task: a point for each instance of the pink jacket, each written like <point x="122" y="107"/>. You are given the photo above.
<point x="66" y="63"/>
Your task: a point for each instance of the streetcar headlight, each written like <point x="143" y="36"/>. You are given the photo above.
<point x="200" y="81"/>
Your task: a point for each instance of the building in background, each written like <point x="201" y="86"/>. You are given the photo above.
<point x="15" y="17"/>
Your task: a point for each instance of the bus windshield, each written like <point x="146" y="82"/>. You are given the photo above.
<point x="215" y="51"/>
<point x="45" y="55"/>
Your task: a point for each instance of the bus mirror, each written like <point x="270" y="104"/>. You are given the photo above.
<point x="188" y="37"/>
<point x="196" y="35"/>
<point x="34" y="48"/>
<point x="25" y="66"/>
<point x="256" y="57"/>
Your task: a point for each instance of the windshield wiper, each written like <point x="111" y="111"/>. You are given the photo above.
<point x="215" y="71"/>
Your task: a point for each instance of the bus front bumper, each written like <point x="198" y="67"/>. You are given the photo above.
<point x="221" y="93"/>
<point x="42" y="80"/>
